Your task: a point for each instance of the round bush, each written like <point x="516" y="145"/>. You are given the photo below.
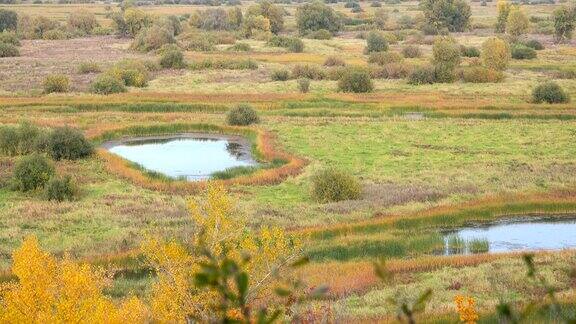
<point x="444" y="73"/>
<point x="355" y="80"/>
<point x="446" y="52"/>
<point x="68" y="144"/>
<point x="495" y="54"/>
<point x="320" y="34"/>
<point x="280" y="75"/>
<point x="296" y="45"/>
<point x="422" y="75"/>
<point x="549" y="92"/>
<point x="521" y="52"/>
<point x="8" y="50"/>
<point x="376" y="42"/>
<point x="469" y="51"/>
<point x="88" y="67"/>
<point x="60" y="189"/>
<point x="480" y="74"/>
<point x="240" y="47"/>
<point x="242" y="115"/>
<point x="172" y="58"/>
<point x="334" y="185"/>
<point x="304" y="85"/>
<point x="107" y="84"/>
<point x="32" y="172"/>
<point x="383" y="58"/>
<point x="411" y="51"/>
<point x="534" y="44"/>
<point x="56" y="83"/>
<point x="334" y="61"/>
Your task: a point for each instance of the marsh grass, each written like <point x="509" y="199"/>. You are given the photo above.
<point x="478" y="245"/>
<point x="456" y="244"/>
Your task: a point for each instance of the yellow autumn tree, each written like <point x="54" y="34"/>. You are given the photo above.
<point x="219" y="229"/>
<point x="51" y="291"/>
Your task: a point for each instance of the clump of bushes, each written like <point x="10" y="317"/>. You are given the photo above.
<point x="280" y="75"/>
<point x="55" y="34"/>
<point x="521" y="52"/>
<point x="65" y="143"/>
<point x="549" y="92"/>
<point x="320" y="34"/>
<point x="332" y="185"/>
<point x="293" y="44"/>
<point x="133" y="73"/>
<point x="411" y="51"/>
<point x="61" y="188"/>
<point x="9" y="37"/>
<point x="446" y="57"/>
<point x="88" y="67"/>
<point x="171" y="57"/>
<point x="495" y="54"/>
<point x="240" y="47"/>
<point x="242" y="115"/>
<point x="534" y="44"/>
<point x="391" y="71"/>
<point x="480" y="74"/>
<point x="8" y="50"/>
<point x="32" y="172"/>
<point x="355" y="80"/>
<point x="308" y="71"/>
<point x="107" y="84"/>
<point x="422" y="75"/>
<point x="153" y="38"/>
<point x="469" y="51"/>
<point x="224" y="64"/>
<point x="376" y="42"/>
<point x="22" y="139"/>
<point x="334" y="61"/>
<point x="383" y="58"/>
<point x="304" y="85"/>
<point x="56" y="83"/>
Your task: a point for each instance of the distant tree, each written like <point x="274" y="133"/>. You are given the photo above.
<point x="235" y="17"/>
<point x="376" y="42"/>
<point x="8" y="20"/>
<point x="453" y="15"/>
<point x="503" y="11"/>
<point x="564" y="23"/>
<point x="255" y="24"/>
<point x="495" y="54"/>
<point x="517" y="22"/>
<point x="315" y="16"/>
<point x="270" y="11"/>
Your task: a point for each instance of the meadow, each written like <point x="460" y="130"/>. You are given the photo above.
<point x="428" y="158"/>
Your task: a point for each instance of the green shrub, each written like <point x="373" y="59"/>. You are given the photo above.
<point x="172" y="57"/>
<point x="68" y="144"/>
<point x="382" y="58"/>
<point x="422" y="75"/>
<point x="549" y="92"/>
<point x="444" y="73"/>
<point x="315" y="16"/>
<point x="240" y="47"/>
<point x="534" y="44"/>
<point x="56" y="83"/>
<point x="521" y="52"/>
<point x="495" y="54"/>
<point x="88" y="67"/>
<point x="308" y="71"/>
<point x="480" y="74"/>
<point x="55" y="34"/>
<point x="334" y="61"/>
<point x="469" y="51"/>
<point x="320" y="34"/>
<point x="376" y="42"/>
<point x="24" y="139"/>
<point x="411" y="51"/>
<point x="152" y="38"/>
<point x="446" y="52"/>
<point x="293" y="44"/>
<point x="60" y="189"/>
<point x="101" y="31"/>
<point x="280" y="75"/>
<point x="8" y="50"/>
<point x="242" y="115"/>
<point x="304" y="85"/>
<point x="9" y="38"/>
<point x="224" y="64"/>
<point x="8" y="20"/>
<point x="355" y="80"/>
<point x="106" y="84"/>
<point x="82" y="21"/>
<point x="32" y="172"/>
<point x="9" y="141"/>
<point x="331" y="185"/>
<point x="133" y="73"/>
<point x="199" y="44"/>
<point x="391" y="71"/>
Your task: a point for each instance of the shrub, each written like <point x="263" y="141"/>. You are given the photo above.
<point x="9" y="141"/>
<point x="480" y="74"/>
<point x="83" y="21"/>
<point x="304" y="85"/>
<point x="495" y="54"/>
<point x="9" y="38"/>
<point x="316" y="16"/>
<point x="242" y="115"/>
<point x="517" y="22"/>
<point x="101" y="31"/>
<point x="446" y="52"/>
<point x="549" y="92"/>
<point x="56" y="83"/>
<point x="308" y="71"/>
<point x="469" y="51"/>
<point x="280" y="75"/>
<point x="88" y="67"/>
<point x="293" y="44"/>
<point x="240" y="47"/>
<point x="411" y="51"/>
<point x="55" y="34"/>
<point x="320" y="34"/>
<point x="133" y="73"/>
<point x="8" y="20"/>
<point x="24" y="139"/>
<point x="8" y="50"/>
<point x="422" y="75"/>
<point x="201" y="44"/>
<point x="355" y="80"/>
<point x="534" y="44"/>
<point x="334" y="61"/>
<point x="382" y="58"/>
<point x="453" y="15"/>
<point x="106" y="84"/>
<point x="391" y="71"/>
<point x="564" y="24"/>
<point x="225" y="64"/>
<point x="521" y="52"/>
<point x="376" y="42"/>
<point x="444" y="73"/>
<point x="60" y="189"/>
<point x="32" y="172"/>
<point x="171" y="57"/>
<point x="152" y="38"/>
<point x="332" y="185"/>
<point x="68" y="144"/>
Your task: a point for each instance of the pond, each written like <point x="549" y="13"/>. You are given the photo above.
<point x="519" y="234"/>
<point x="192" y="157"/>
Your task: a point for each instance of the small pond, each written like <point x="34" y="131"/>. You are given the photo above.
<point x="533" y="233"/>
<point x="192" y="157"/>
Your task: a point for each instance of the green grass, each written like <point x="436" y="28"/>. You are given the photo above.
<point x="478" y="246"/>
